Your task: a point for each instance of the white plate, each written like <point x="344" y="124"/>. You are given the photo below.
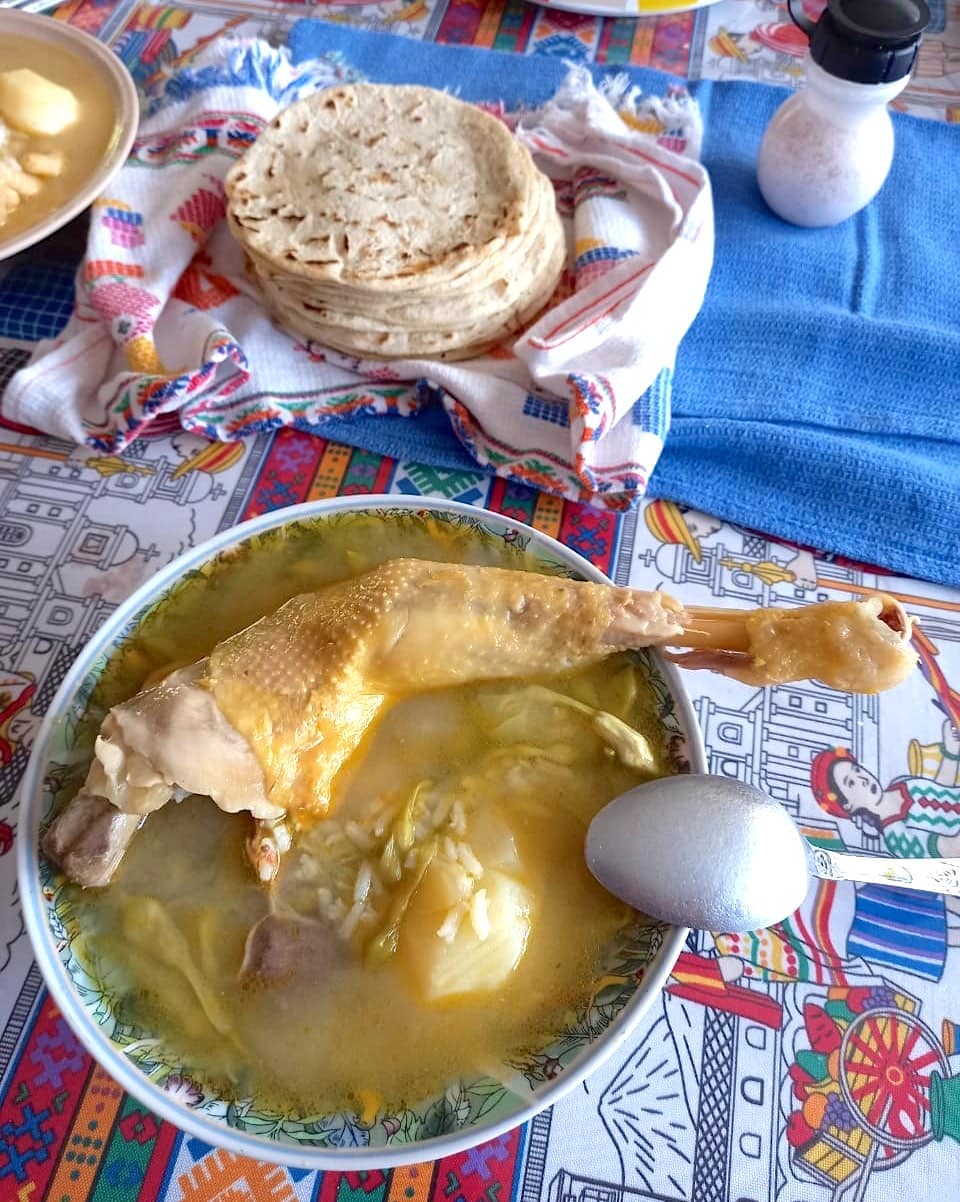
<point x="126" y="105"/>
<point x="626" y="8"/>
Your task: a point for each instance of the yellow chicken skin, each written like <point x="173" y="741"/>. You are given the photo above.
<point x="269" y="719"/>
<point x="302" y="685"/>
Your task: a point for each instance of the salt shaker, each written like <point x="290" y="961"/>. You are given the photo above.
<point x="828" y="149"/>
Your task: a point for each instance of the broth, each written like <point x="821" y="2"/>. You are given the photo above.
<point x="84" y="144"/>
<point x="516" y="763"/>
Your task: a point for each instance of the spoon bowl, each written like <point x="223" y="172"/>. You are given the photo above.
<point x="700" y="851"/>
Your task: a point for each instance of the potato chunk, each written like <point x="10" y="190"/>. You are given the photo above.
<point x="26" y="185"/>
<point x="45" y="163"/>
<point x="34" y="104"/>
<point x="443" y="964"/>
<point x="9" y="200"/>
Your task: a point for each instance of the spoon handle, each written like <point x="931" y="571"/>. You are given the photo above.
<point x="931" y="875"/>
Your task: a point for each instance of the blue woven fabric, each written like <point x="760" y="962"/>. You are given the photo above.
<point x="816" y="395"/>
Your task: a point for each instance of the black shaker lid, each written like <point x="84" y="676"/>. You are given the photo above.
<point x="866" y="41"/>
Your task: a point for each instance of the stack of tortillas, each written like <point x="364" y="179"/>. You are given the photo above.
<point x="396" y="222"/>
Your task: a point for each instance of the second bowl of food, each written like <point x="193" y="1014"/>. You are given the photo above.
<point x="361" y="933"/>
<point x="68" y="117"/>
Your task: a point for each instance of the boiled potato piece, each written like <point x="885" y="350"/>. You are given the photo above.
<point x="443" y="969"/>
<point x="9" y="198"/>
<point x="444" y="885"/>
<point x="492" y="841"/>
<point x="36" y="105"/>
<point x="46" y="163"/>
<point x="26" y="185"/>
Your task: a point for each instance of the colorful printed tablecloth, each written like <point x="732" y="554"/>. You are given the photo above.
<point x="764" y="1071"/>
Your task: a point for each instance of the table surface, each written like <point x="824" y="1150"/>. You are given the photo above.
<point x="722" y="1094"/>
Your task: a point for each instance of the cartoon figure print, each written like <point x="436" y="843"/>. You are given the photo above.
<point x="870" y="1080"/>
<point x="914" y="817"/>
<point x="843" y="931"/>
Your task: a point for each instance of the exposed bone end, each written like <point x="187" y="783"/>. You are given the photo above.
<point x="891" y="613"/>
<point x="88" y="839"/>
<point x="890" y="647"/>
<point x="124" y="777"/>
<point x="642" y="619"/>
<point x="174" y="735"/>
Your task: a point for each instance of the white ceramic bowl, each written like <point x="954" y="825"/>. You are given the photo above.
<point x="101" y="60"/>
<point x="157" y="1078"/>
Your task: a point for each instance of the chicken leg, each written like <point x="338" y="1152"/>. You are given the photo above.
<point x="269" y="719"/>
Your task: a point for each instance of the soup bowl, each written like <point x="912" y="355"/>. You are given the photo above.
<point x="98" y="61"/>
<point x="629" y="975"/>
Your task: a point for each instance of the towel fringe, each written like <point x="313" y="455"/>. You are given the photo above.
<point x="673" y="119"/>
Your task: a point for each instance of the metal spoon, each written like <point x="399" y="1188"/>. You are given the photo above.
<point x="719" y="855"/>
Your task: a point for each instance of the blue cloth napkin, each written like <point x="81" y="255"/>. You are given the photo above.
<point x="816" y="395"/>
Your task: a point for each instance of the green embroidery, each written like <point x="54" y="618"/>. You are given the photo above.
<point x="904" y="844"/>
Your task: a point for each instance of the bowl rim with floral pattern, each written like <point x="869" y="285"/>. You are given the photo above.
<point x="168" y="1091"/>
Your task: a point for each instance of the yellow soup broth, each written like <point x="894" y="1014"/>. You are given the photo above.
<point x="83" y="145"/>
<point x="501" y="777"/>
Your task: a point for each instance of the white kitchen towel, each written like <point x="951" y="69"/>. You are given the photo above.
<point x="166" y="320"/>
